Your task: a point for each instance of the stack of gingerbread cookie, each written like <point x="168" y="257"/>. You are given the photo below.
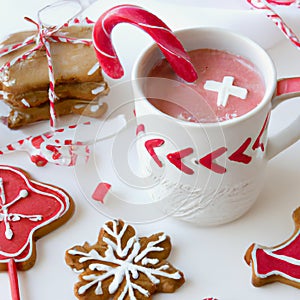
<point x="24" y="85"/>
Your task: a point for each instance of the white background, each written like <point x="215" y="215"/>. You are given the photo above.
<point x="211" y="258"/>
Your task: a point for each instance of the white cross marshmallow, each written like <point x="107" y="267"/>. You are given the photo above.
<point x="225" y="89"/>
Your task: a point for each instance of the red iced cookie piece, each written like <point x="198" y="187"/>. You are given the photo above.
<point x="28" y="210"/>
<point x="101" y="191"/>
<point x="279" y="263"/>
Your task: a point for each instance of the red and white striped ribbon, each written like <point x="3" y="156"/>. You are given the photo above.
<point x="28" y="41"/>
<point x="51" y="147"/>
<point x="277" y="20"/>
<point x="51" y="91"/>
<point x="284" y="2"/>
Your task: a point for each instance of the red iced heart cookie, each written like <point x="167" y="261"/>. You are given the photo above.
<point x="28" y="210"/>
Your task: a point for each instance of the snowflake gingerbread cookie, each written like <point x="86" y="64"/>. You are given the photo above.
<point x="279" y="263"/>
<point x="123" y="266"/>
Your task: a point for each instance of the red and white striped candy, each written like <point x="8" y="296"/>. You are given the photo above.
<point x="277" y="20"/>
<point x="51" y="92"/>
<point x="4" y="51"/>
<point x="282" y="2"/>
<point x="156" y="28"/>
<point x="50" y="147"/>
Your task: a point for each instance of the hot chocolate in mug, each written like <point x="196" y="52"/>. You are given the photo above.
<point x="209" y="172"/>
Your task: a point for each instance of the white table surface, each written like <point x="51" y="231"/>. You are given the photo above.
<point x="211" y="258"/>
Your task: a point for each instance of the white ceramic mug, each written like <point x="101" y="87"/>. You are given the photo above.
<point x="210" y="173"/>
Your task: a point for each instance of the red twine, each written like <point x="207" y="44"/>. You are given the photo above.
<point x="42" y="39"/>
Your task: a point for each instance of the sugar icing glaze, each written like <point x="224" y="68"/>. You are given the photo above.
<point x="124" y="263"/>
<point x="26" y="206"/>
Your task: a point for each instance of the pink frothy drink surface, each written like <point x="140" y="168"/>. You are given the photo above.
<point x="198" y="102"/>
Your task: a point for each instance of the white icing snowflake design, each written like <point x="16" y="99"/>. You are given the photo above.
<point x="7" y="217"/>
<point x="123" y="265"/>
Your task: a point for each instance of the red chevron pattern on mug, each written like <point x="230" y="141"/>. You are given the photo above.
<point x="209" y="161"/>
<point x="150" y="145"/>
<point x="239" y="155"/>
<point x="176" y="159"/>
<point x="242" y="155"/>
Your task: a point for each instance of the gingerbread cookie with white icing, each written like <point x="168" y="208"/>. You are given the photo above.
<point x="123" y="266"/>
<point x="279" y="263"/>
<point x="28" y="210"/>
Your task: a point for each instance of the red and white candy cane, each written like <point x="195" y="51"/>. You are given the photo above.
<point x="156" y="28"/>
<point x="278" y="21"/>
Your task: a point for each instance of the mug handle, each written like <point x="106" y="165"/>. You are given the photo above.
<point x="287" y="88"/>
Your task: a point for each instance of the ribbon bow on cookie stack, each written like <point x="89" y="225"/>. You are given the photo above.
<point x="51" y="71"/>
